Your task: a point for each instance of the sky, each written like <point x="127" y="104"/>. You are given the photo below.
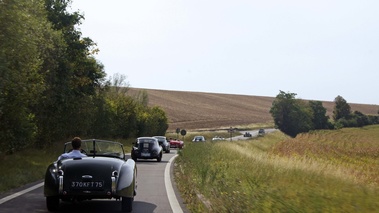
<point x="318" y="49"/>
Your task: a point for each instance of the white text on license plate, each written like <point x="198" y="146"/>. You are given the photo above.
<point x="91" y="184"/>
<point x="145" y="154"/>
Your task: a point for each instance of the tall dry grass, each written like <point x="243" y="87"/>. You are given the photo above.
<point x="353" y="153"/>
<point x="279" y="174"/>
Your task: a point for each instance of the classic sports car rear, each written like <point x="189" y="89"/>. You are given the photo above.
<point x="147" y="148"/>
<point x="174" y="143"/>
<point x="247" y="134"/>
<point x="104" y="174"/>
<point x="162" y="140"/>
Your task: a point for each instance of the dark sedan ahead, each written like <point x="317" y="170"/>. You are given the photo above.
<point x="146" y="148"/>
<point x="162" y="140"/>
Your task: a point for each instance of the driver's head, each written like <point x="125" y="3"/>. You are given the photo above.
<point x="76" y="143"/>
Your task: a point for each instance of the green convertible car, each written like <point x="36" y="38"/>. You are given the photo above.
<point x="105" y="173"/>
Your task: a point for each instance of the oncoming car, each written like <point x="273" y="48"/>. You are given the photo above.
<point x="218" y="138"/>
<point x="146" y="148"/>
<point x="198" y="138"/>
<point x="104" y="174"/>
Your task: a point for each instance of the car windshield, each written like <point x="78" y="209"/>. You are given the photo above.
<point x="161" y="139"/>
<point x="146" y="140"/>
<point x="99" y="148"/>
<point x="146" y="143"/>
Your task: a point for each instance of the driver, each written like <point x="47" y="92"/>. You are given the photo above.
<point x="75" y="153"/>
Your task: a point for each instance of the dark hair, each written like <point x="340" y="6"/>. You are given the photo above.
<point x="76" y="143"/>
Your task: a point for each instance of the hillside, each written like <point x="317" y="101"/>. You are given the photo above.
<point x="199" y="110"/>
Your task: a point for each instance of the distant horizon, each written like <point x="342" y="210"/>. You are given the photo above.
<point x="316" y="49"/>
<point x="249" y="95"/>
<point x="197" y="110"/>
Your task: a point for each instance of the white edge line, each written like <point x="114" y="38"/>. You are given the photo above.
<point x="12" y="196"/>
<point x="170" y="190"/>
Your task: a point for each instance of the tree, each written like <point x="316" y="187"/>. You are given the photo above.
<point x="71" y="81"/>
<point x="119" y="84"/>
<point x="26" y="39"/>
<point x="151" y="121"/>
<point x="51" y="86"/>
<point x="142" y="97"/>
<point x="341" y="109"/>
<point x="360" y="118"/>
<point x="125" y="118"/>
<point x="159" y="119"/>
<point x="291" y="116"/>
<point x="320" y="120"/>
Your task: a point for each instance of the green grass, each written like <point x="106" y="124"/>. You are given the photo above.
<point x="29" y="165"/>
<point x="25" y="166"/>
<point x="323" y="171"/>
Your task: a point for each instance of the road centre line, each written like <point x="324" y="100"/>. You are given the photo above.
<point x="175" y="206"/>
<point x="12" y="196"/>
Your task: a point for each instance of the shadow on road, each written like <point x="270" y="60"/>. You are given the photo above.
<point x="150" y="161"/>
<point x="108" y="206"/>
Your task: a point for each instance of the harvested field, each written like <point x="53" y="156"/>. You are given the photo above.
<point x="199" y="110"/>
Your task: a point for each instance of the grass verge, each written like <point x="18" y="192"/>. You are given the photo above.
<point x="323" y="171"/>
<point x="25" y="166"/>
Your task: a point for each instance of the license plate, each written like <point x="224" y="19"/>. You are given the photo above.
<point x="145" y="154"/>
<point x="87" y="184"/>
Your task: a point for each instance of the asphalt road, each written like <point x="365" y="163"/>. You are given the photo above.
<point x="154" y="194"/>
<point x="254" y="133"/>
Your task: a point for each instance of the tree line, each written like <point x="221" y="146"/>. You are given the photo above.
<point x="293" y="116"/>
<point x="52" y="87"/>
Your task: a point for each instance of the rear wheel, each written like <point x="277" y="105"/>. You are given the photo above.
<point x="126" y="204"/>
<point x="52" y="203"/>
<point x="134" y="157"/>
<point x="159" y="158"/>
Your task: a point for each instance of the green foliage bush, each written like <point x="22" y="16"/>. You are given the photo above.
<point x="51" y="86"/>
<point x="293" y="116"/>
